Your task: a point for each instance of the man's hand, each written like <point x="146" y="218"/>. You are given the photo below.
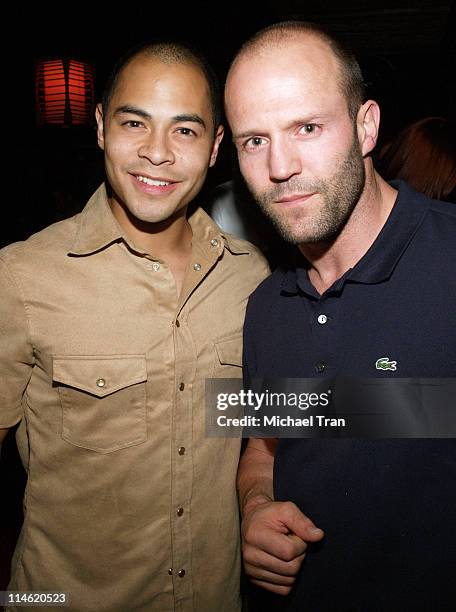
<point x="274" y="538"/>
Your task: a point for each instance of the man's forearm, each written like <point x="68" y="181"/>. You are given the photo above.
<point x="255" y="474"/>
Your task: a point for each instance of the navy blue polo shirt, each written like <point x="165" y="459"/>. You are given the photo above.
<point x="388" y="507"/>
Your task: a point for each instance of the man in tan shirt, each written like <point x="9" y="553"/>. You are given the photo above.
<point x="110" y="322"/>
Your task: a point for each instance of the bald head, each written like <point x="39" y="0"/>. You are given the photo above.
<point x="277" y="37"/>
<point x="294" y="102"/>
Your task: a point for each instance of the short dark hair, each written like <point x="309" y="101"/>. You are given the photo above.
<point x="352" y="82"/>
<point x="167" y="52"/>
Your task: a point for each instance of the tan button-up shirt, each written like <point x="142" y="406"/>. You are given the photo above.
<point x="128" y="505"/>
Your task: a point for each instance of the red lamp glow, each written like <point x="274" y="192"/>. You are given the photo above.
<point x="64" y="92"/>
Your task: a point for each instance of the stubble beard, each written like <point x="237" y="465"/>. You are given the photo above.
<point x="339" y="196"/>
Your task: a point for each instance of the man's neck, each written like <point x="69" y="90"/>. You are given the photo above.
<point x="328" y="262"/>
<point x="160" y="240"/>
<point x="169" y="241"/>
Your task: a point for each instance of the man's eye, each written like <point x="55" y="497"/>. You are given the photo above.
<point x="308" y="128"/>
<point x="254" y="142"/>
<point x="134" y="124"/>
<point x="186" y="131"/>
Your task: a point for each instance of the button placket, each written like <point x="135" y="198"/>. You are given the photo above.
<point x="320" y="367"/>
<point x="322" y="323"/>
<point x="181" y="466"/>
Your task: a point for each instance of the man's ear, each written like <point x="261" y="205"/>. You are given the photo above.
<point x="216" y="144"/>
<point x="100" y="126"/>
<point x="367" y="124"/>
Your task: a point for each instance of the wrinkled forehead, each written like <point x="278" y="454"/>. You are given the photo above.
<point x="301" y="65"/>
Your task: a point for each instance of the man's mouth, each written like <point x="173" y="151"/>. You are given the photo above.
<point x="154" y="184"/>
<point x="152" y="181"/>
<point x="295" y="198"/>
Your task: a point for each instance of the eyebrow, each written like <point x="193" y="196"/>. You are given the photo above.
<point x="193" y="118"/>
<point x="304" y="120"/>
<point x="245" y="134"/>
<point x="186" y="117"/>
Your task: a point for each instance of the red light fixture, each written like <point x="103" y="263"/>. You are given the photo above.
<point x="64" y="92"/>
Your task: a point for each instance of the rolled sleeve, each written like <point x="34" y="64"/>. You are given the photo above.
<point x="16" y="351"/>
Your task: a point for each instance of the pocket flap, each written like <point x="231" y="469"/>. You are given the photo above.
<point x="99" y="376"/>
<point x="229" y="351"/>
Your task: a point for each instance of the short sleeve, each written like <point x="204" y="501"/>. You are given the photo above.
<point x="16" y="351"/>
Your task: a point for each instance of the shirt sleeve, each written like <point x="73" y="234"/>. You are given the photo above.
<point x="16" y="351"/>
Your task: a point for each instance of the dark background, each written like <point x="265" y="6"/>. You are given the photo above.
<point x="406" y="50"/>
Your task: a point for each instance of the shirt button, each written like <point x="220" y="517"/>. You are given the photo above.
<point x="197" y="267"/>
<point x="181" y="450"/>
<point x="181" y="387"/>
<point x="322" y="319"/>
<point x="214" y="242"/>
<point x="180" y="511"/>
<point x="170" y="571"/>
<point x="320" y="366"/>
<point x="155" y="266"/>
<point x="181" y="573"/>
<point x="101" y="382"/>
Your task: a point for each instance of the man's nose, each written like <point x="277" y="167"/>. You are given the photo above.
<point x="157" y="148"/>
<point x="284" y="160"/>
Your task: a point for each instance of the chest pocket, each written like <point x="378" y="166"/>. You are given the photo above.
<point x="103" y="400"/>
<point x="228" y="360"/>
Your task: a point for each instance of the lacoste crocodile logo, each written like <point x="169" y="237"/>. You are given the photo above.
<point x="385" y="364"/>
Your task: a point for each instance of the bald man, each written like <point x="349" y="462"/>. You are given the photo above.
<point x="338" y="525"/>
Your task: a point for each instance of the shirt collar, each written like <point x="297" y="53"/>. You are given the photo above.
<point x="98" y="228"/>
<point x="378" y="263"/>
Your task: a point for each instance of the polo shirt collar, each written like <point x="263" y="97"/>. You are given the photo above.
<point x="98" y="228"/>
<point x="409" y="211"/>
<point x="378" y="263"/>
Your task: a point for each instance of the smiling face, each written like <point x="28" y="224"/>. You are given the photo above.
<point x="299" y="151"/>
<point x="158" y="138"/>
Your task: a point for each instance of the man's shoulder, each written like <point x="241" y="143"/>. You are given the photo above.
<point x="247" y="255"/>
<point x="240" y="245"/>
<point x="434" y="224"/>
<point x="440" y="226"/>
<point x="436" y="209"/>
<point x="51" y="242"/>
<point x="443" y="210"/>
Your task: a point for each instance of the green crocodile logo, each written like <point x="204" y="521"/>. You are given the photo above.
<point x="385" y="364"/>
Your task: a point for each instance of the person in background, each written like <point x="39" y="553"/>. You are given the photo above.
<point x="110" y="322"/>
<point x="424" y="155"/>
<point x="234" y="210"/>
